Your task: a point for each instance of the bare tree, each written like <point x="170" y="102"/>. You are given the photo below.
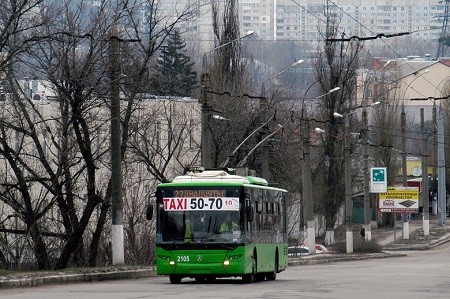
<point x="17" y="34"/>
<point x="383" y="137"/>
<point x="68" y="168"/>
<point x="165" y="138"/>
<point x="335" y="66"/>
<point x="227" y="72"/>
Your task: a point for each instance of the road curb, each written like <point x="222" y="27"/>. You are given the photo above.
<point x="76" y="277"/>
<point x="431" y="245"/>
<point x="340" y="258"/>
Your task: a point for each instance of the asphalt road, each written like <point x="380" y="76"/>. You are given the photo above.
<point x="420" y="274"/>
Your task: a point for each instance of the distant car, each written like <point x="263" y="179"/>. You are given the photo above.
<point x="304" y="250"/>
<point x="298" y="250"/>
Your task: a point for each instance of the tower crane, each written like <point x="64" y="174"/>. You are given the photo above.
<point x="444" y="38"/>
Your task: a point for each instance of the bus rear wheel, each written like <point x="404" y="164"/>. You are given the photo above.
<point x="273" y="275"/>
<point x="248" y="278"/>
<point x="175" y="279"/>
<point x="210" y="279"/>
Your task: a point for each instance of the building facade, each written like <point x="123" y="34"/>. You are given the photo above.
<point x="407" y="80"/>
<point x="300" y="19"/>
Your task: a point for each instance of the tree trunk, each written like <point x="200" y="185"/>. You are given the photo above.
<point x="76" y="236"/>
<point x="93" y="250"/>
<point x="40" y="250"/>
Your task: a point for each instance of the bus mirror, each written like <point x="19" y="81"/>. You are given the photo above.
<point x="249" y="212"/>
<point x="149" y="214"/>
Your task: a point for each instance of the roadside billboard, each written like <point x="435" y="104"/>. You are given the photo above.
<point x="399" y="200"/>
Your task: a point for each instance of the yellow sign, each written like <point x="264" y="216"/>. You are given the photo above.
<point x="400" y="200"/>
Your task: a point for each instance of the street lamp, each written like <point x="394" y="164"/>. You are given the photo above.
<point x="206" y="107"/>
<point x="306" y="176"/>
<point x="294" y="64"/>
<point x="348" y="179"/>
<point x="319" y="130"/>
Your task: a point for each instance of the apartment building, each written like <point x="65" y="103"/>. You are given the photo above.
<point x="300" y="19"/>
<point x="297" y="20"/>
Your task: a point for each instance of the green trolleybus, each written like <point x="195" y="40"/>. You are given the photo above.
<point x="215" y="223"/>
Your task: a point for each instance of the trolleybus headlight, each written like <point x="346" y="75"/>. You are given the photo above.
<point x="226" y="262"/>
<point x="172" y="263"/>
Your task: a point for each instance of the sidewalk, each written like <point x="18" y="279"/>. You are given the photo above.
<point x="391" y="247"/>
<point x="417" y="240"/>
<point x="384" y="236"/>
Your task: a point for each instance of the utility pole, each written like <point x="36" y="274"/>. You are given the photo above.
<point x="307" y="184"/>
<point x="442" y="192"/>
<point x="265" y="171"/>
<point x="404" y="169"/>
<point x="348" y="188"/>
<point x="206" y="109"/>
<point x="425" y="196"/>
<point x="116" y="171"/>
<point x="367" y="227"/>
<point x="435" y="159"/>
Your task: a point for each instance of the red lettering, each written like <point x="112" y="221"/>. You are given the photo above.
<point x="181" y="204"/>
<point x="172" y="204"/>
<point x="166" y="200"/>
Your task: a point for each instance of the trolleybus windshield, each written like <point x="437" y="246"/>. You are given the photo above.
<point x="199" y="215"/>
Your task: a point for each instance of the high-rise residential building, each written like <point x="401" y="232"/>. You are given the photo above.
<point x="300" y="19"/>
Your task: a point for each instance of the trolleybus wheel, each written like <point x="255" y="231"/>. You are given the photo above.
<point x="273" y="275"/>
<point x="200" y="279"/>
<point x="210" y="279"/>
<point x="175" y="279"/>
<point x="248" y="278"/>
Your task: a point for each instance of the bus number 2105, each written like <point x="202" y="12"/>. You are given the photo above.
<point x="182" y="258"/>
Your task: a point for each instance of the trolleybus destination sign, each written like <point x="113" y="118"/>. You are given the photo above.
<point x="201" y="204"/>
<point x="400" y="200"/>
